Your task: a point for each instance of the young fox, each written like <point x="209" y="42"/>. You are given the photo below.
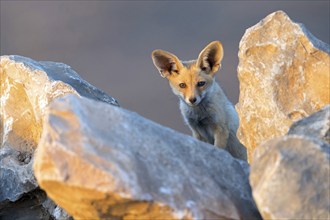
<point x="203" y="104"/>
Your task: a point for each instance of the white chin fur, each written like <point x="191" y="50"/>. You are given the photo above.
<point x="194" y="104"/>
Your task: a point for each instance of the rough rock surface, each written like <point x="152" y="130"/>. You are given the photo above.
<point x="113" y="163"/>
<point x="284" y="74"/>
<point x="27" y="86"/>
<point x="316" y="125"/>
<point x="16" y="174"/>
<point x="28" y="206"/>
<point x="290" y="178"/>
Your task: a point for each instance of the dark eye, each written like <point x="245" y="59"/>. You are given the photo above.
<point x="182" y="85"/>
<point x="201" y="83"/>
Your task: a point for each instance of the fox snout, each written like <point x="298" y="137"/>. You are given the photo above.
<point x="193" y="100"/>
<point x="190" y="95"/>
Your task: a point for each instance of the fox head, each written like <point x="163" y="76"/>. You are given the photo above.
<point x="190" y="80"/>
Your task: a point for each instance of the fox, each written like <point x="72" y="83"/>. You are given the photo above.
<point x="204" y="106"/>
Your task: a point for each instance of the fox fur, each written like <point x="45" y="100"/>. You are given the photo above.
<point x="203" y="104"/>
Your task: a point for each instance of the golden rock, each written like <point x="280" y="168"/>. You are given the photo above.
<point x="284" y="76"/>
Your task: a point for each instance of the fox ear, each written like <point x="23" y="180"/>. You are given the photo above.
<point x="166" y="63"/>
<point x="209" y="60"/>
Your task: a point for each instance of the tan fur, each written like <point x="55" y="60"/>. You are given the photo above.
<point x="205" y="108"/>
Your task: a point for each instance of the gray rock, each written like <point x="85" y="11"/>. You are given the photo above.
<point x="290" y="178"/>
<point x="27" y="207"/>
<point x="113" y="163"/>
<point x="16" y="175"/>
<point x="316" y="125"/>
<point x="64" y="73"/>
<point x="54" y="211"/>
<point x="33" y="205"/>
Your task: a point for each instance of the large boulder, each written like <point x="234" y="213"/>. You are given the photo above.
<point x="101" y="161"/>
<point x="290" y="178"/>
<point x="284" y="76"/>
<point x="290" y="175"/>
<point x="27" y="86"/>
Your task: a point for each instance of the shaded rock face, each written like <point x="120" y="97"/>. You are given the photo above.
<point x="316" y="125"/>
<point x="27" y="86"/>
<point x="113" y="163"/>
<point x="26" y="207"/>
<point x="290" y="175"/>
<point x="31" y="206"/>
<point x="20" y="196"/>
<point x="290" y="178"/>
<point x="284" y="76"/>
<point x="16" y="174"/>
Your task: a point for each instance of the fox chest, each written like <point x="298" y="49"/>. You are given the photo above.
<point x="200" y="121"/>
<point x="198" y="116"/>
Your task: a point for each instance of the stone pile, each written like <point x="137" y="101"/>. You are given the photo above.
<point x="67" y="150"/>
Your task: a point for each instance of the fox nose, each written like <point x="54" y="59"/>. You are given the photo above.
<point x="192" y="100"/>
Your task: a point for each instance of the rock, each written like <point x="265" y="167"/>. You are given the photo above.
<point x="33" y="205"/>
<point x="284" y="76"/>
<point x="16" y="175"/>
<point x="29" y="206"/>
<point x="27" y="86"/>
<point x="290" y="178"/>
<point x="59" y="213"/>
<point x="112" y="163"/>
<point x="316" y="125"/>
<point x="55" y="211"/>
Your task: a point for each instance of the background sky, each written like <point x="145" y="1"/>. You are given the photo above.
<point x="109" y="42"/>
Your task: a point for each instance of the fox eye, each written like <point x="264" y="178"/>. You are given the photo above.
<point x="182" y="85"/>
<point x="201" y="83"/>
